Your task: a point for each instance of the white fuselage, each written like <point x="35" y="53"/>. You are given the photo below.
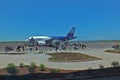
<point x="49" y="39"/>
<point x="40" y="40"/>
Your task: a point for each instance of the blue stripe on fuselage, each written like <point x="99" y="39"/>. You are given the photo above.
<point x="60" y="37"/>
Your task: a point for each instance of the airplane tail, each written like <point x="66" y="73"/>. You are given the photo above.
<point x="70" y="34"/>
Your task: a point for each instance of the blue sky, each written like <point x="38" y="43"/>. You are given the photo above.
<point x="93" y="19"/>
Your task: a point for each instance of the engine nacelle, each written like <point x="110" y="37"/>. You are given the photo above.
<point x="41" y="43"/>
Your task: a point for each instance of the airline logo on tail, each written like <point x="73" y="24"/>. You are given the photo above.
<point x="71" y="33"/>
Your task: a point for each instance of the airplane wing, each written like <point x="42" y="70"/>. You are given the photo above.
<point x="49" y="41"/>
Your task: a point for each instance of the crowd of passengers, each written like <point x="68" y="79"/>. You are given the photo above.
<point x="74" y="46"/>
<point x="57" y="46"/>
<point x="18" y="48"/>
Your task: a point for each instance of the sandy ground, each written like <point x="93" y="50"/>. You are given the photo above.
<point x="93" y="48"/>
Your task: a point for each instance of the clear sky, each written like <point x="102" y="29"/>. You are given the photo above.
<point x="93" y="19"/>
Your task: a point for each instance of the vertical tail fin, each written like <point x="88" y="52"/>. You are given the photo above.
<point x="71" y="33"/>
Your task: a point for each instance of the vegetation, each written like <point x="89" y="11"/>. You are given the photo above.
<point x="11" y="68"/>
<point x="26" y="70"/>
<point x="65" y="56"/>
<point x="113" y="51"/>
<point x="32" y="64"/>
<point x="32" y="67"/>
<point x="115" y="64"/>
<point x="101" y="66"/>
<point x="21" y="65"/>
<point x="55" y="70"/>
<point x="42" y="67"/>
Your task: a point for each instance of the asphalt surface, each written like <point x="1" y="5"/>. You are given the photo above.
<point x="93" y="48"/>
<point x="89" y="44"/>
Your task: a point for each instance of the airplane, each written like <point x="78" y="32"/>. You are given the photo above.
<point x="45" y="40"/>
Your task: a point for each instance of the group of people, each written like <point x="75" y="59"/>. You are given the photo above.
<point x="116" y="46"/>
<point x="79" y="46"/>
<point x="18" y="48"/>
<point x="8" y="48"/>
<point x="64" y="46"/>
<point x="74" y="46"/>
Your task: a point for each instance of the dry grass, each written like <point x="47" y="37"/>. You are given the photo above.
<point x="71" y="57"/>
<point x="113" y="51"/>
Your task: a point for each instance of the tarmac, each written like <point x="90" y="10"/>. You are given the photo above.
<point x="93" y="48"/>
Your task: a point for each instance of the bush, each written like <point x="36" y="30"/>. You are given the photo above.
<point x="11" y="68"/>
<point x="31" y="67"/>
<point x="21" y="65"/>
<point x="32" y="64"/>
<point x="101" y="66"/>
<point x="115" y="64"/>
<point x="55" y="71"/>
<point x="42" y="67"/>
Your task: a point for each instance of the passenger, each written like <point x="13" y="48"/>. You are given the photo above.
<point x="18" y="48"/>
<point x="25" y="45"/>
<point x="82" y="46"/>
<point x="116" y="46"/>
<point x="10" y="49"/>
<point x="64" y="47"/>
<point x="36" y="48"/>
<point x="56" y="48"/>
<point x="23" y="48"/>
<point x="30" y="49"/>
<point x="6" y="49"/>
<point x="113" y="46"/>
<point x="85" y="46"/>
<point x="66" y="43"/>
<point x="75" y="48"/>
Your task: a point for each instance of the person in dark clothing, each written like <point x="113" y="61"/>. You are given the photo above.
<point x="23" y="48"/>
<point x="36" y="48"/>
<point x="30" y="49"/>
<point x="6" y="49"/>
<point x="56" y="48"/>
<point x="18" y="48"/>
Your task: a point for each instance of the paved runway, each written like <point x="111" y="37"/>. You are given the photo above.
<point x="93" y="48"/>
